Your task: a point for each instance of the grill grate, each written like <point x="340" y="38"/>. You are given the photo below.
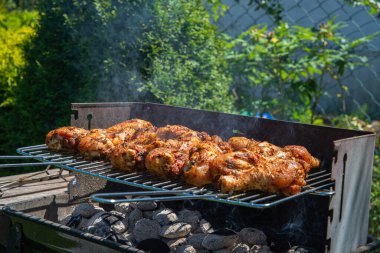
<point x="318" y="183"/>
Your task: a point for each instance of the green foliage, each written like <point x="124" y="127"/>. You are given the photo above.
<point x="374" y="226"/>
<point x="163" y="51"/>
<point x="175" y="78"/>
<point x="284" y="71"/>
<point x="374" y="5"/>
<point x="16" y="27"/>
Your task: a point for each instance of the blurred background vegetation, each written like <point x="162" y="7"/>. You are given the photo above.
<point x="55" y="52"/>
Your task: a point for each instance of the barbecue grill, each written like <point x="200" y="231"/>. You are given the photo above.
<point x="330" y="214"/>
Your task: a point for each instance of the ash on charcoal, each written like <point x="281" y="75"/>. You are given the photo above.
<point x="204" y="227"/>
<point x="120" y="226"/>
<point x="190" y="217"/>
<point x="253" y="236"/>
<point x="133" y="217"/>
<point x="174" y="243"/>
<point x="175" y="230"/>
<point x="196" y="240"/>
<point x="241" y="248"/>
<point x="111" y="219"/>
<point x="125" y="208"/>
<point x="146" y="229"/>
<point x="97" y="225"/>
<point x="185" y="249"/>
<point x="95" y="219"/>
<point x="215" y="242"/>
<point x="118" y="214"/>
<point x="260" y="249"/>
<point x="146" y="206"/>
<point x="165" y="216"/>
<point x="101" y="231"/>
<point x="86" y="210"/>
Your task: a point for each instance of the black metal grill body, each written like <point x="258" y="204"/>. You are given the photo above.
<point x="33" y="228"/>
<point x="346" y="154"/>
<point x="337" y="223"/>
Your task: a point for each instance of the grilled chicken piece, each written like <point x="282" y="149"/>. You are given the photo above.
<point x="130" y="156"/>
<point x="169" y="160"/>
<point x="239" y="143"/>
<point x="65" y="138"/>
<point x="245" y="170"/>
<point x="180" y="133"/>
<point x="198" y="171"/>
<point x="166" y="162"/>
<point x="293" y="152"/>
<point x="188" y="159"/>
<point x="99" y="143"/>
<point x="132" y="123"/>
<point x="303" y="156"/>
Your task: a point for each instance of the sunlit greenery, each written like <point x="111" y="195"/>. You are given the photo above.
<point x="16" y="27"/>
<point x="284" y="71"/>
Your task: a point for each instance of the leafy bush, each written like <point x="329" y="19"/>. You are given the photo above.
<point x="16" y="27"/>
<point x="162" y="51"/>
<point x="284" y="71"/>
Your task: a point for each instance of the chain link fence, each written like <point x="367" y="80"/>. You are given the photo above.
<point x="363" y="82"/>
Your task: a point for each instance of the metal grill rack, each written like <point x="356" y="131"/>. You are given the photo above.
<point x="318" y="183"/>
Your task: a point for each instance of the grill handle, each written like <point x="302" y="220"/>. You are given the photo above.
<point x="112" y="198"/>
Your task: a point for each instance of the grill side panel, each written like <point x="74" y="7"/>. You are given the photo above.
<point x="352" y="172"/>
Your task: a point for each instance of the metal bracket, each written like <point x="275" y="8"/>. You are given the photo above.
<point x="84" y="185"/>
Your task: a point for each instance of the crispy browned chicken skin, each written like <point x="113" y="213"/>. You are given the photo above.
<point x="169" y="160"/>
<point x="132" y="123"/>
<point x="65" y="138"/>
<point x="262" y="166"/>
<point x="130" y="155"/>
<point x="198" y="170"/>
<point x="294" y="152"/>
<point x="99" y="143"/>
<point x="189" y="159"/>
<point x="245" y="170"/>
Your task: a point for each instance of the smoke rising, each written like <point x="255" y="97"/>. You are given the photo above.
<point x="162" y="51"/>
